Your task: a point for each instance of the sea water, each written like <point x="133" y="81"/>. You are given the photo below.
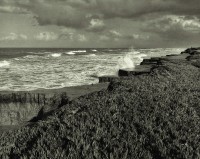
<point x="35" y="68"/>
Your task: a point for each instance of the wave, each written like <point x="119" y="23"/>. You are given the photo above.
<point x="126" y="62"/>
<point x="70" y="53"/>
<point x="94" y="50"/>
<point x="79" y="51"/>
<point x="92" y="55"/>
<point x="56" y="55"/>
<point x="4" y="63"/>
<point x="47" y="52"/>
<point x="30" y="56"/>
<point x="131" y="59"/>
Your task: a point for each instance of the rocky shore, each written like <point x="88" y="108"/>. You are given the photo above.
<point x="150" y="111"/>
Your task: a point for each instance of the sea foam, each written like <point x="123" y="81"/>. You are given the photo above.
<point x="79" y="51"/>
<point x="56" y="55"/>
<point x="4" y="63"/>
<point x="70" y="53"/>
<point x="131" y="59"/>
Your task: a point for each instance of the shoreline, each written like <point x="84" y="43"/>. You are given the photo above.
<point x="146" y="112"/>
<point x="16" y="104"/>
<point x="72" y="91"/>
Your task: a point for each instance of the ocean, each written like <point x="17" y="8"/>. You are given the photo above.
<point x="35" y="68"/>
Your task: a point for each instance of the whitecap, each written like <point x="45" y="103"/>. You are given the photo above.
<point x="79" y="51"/>
<point x="46" y="52"/>
<point x="4" y="63"/>
<point x="30" y="56"/>
<point x="135" y="52"/>
<point x="56" y="55"/>
<point x="70" y="53"/>
<point x="94" y="50"/>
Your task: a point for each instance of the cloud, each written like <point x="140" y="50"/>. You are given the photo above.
<point x="11" y="9"/>
<point x="173" y="23"/>
<point x="13" y="36"/>
<point x="89" y="14"/>
<point x="96" y="25"/>
<point x="147" y="22"/>
<point x="139" y="36"/>
<point x="115" y="33"/>
<point x="47" y="36"/>
<point x="24" y="37"/>
<point x="65" y="36"/>
<point x="104" y="38"/>
<point x="82" y="38"/>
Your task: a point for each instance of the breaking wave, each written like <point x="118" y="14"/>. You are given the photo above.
<point x="48" y="70"/>
<point x="30" y="56"/>
<point x="4" y="63"/>
<point x="56" y="55"/>
<point x="131" y="59"/>
<point x="79" y="51"/>
<point x="92" y="55"/>
<point x="70" y="53"/>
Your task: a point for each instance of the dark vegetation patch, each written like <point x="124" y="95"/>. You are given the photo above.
<point x="147" y="116"/>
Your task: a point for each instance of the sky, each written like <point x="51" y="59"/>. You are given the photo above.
<point x="100" y="23"/>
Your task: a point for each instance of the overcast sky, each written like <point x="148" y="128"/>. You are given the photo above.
<point x="99" y="23"/>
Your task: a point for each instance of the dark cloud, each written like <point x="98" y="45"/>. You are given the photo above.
<point x="150" y="22"/>
<point x="78" y="13"/>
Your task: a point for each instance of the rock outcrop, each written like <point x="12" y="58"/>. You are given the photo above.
<point x="147" y="65"/>
<point x="103" y="79"/>
<point x="138" y="70"/>
<point x="18" y="107"/>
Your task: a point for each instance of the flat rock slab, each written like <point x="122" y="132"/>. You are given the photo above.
<point x="176" y="56"/>
<point x="138" y="70"/>
<point x="151" y="61"/>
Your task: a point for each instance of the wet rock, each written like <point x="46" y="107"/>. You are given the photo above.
<point x="192" y="51"/>
<point x="138" y="70"/>
<point x="151" y="61"/>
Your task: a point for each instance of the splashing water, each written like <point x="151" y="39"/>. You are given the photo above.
<point x="130" y="60"/>
<point x="126" y="62"/>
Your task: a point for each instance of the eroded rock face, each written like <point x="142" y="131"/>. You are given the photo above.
<point x="107" y="78"/>
<point x="19" y="107"/>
